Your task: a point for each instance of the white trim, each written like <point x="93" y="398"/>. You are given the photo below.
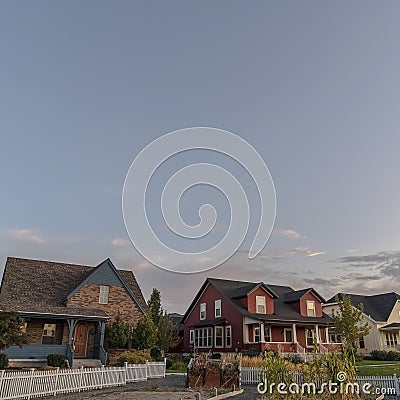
<point x="205" y="311"/>
<point x="265" y="304"/>
<point x="218" y="301"/>
<point x="284" y="335"/>
<point x="215" y="337"/>
<point x="228" y="327"/>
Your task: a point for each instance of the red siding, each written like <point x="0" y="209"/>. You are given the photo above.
<point x="228" y="312"/>
<point x="303" y="305"/>
<point x="251" y="301"/>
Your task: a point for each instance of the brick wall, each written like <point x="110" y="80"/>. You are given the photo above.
<point x="119" y="302"/>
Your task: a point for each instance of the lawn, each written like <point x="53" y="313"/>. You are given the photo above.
<point x="380" y="368"/>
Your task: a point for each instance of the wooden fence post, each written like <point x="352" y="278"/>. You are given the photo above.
<point x="396" y="385"/>
<point x="126" y="371"/>
<point x="165" y="366"/>
<point x="30" y="383"/>
<point x="102" y="376"/>
<point x="80" y="378"/>
<point x="56" y="381"/>
<point x="1" y="383"/>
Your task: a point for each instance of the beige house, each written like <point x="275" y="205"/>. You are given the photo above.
<point x="381" y="312"/>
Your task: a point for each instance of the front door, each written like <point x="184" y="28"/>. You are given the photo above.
<point x="80" y="339"/>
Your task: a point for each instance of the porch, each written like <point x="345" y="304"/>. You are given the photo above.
<point x="71" y="336"/>
<point x="288" y="339"/>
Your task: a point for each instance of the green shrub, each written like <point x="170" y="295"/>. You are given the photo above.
<point x="155" y="354"/>
<point x="178" y="366"/>
<point x="169" y="363"/>
<point x="56" y="360"/>
<point x="3" y="361"/>
<point x="133" y="357"/>
<point x="381" y="355"/>
<point x="117" y="334"/>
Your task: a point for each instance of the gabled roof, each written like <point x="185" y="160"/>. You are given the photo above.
<point x="234" y="290"/>
<point x="378" y="306"/>
<point x="296" y="295"/>
<point x="38" y="286"/>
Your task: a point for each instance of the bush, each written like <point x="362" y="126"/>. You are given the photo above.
<point x="216" y="356"/>
<point x="250" y="353"/>
<point x="178" y="366"/>
<point x="381" y="355"/>
<point x="133" y="357"/>
<point x="3" y="361"/>
<point x="56" y="360"/>
<point x="117" y="334"/>
<point x="155" y="354"/>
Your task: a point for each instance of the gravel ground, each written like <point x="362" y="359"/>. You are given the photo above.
<point x="170" y="388"/>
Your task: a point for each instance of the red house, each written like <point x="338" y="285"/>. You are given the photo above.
<point x="231" y="316"/>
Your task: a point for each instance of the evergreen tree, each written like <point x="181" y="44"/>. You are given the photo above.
<point x="11" y="331"/>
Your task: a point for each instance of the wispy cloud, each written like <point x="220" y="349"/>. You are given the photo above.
<point x="27" y="235"/>
<point x="317" y="253"/>
<point x="118" y="242"/>
<point x="289" y="233"/>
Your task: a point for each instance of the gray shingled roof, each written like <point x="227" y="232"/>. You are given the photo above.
<point x="378" y="306"/>
<point x="42" y="286"/>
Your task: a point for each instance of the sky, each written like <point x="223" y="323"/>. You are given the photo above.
<point x="313" y="86"/>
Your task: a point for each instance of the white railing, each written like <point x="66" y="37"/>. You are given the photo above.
<point x="34" y="383"/>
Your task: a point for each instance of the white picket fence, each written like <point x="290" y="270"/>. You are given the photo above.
<point x="34" y="383"/>
<point x="387" y="384"/>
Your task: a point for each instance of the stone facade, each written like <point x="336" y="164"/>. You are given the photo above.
<point x="119" y="302"/>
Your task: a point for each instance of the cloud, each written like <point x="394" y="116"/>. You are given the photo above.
<point x="289" y="233"/>
<point x="119" y="242"/>
<point x="317" y="253"/>
<point x="27" y="235"/>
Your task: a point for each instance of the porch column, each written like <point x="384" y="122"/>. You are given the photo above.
<point x="71" y="328"/>
<point x="262" y="333"/>
<point x="317" y="333"/>
<point x="294" y="333"/>
<point x="327" y="334"/>
<point x="102" y="332"/>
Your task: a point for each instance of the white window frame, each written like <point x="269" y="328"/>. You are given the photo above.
<point x="261" y="301"/>
<point x="312" y="330"/>
<point x="311" y="312"/>
<point x="191" y="336"/>
<point x="220" y="329"/>
<point x="267" y="329"/>
<point x="218" y="308"/>
<point x="258" y="329"/>
<point x="203" y="309"/>
<point x="104" y="293"/>
<point x="203" y="338"/>
<point x="285" y="330"/>
<point x="228" y="329"/>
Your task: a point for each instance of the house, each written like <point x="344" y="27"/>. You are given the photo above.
<point x="382" y="313"/>
<point x="66" y="306"/>
<point x="232" y="316"/>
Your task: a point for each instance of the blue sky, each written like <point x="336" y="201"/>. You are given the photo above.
<point x="313" y="86"/>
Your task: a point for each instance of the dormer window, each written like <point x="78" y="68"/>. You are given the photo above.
<point x="203" y="311"/>
<point x="310" y="308"/>
<point x="103" y="295"/>
<point x="218" y="312"/>
<point x="260" y="303"/>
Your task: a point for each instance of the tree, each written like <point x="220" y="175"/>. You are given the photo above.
<point x="145" y="334"/>
<point x="349" y="324"/>
<point x="167" y="334"/>
<point x="155" y="308"/>
<point x="11" y="329"/>
<point x="117" y="333"/>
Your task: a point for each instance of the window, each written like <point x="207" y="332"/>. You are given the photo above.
<point x="257" y="334"/>
<point x="228" y="336"/>
<point x="333" y="336"/>
<point x="310" y="308"/>
<point x="203" y="337"/>
<point x="391" y="339"/>
<point x="287" y="335"/>
<point x="362" y="343"/>
<point x="219" y="336"/>
<point x="260" y="302"/>
<point x="203" y="311"/>
<point x="309" y="337"/>
<point x="191" y="336"/>
<point x="217" y="308"/>
<point x="267" y="333"/>
<point x="103" y="296"/>
<point x="49" y="331"/>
